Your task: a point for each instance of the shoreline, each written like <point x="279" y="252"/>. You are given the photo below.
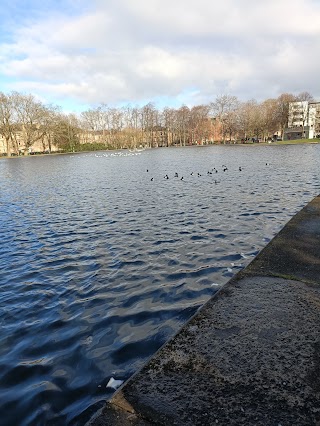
<point x="277" y="143"/>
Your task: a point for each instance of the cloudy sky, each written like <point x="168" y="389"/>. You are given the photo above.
<point x="79" y="53"/>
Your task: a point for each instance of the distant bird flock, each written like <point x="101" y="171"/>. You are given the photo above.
<point x="213" y="171"/>
<point x="176" y="175"/>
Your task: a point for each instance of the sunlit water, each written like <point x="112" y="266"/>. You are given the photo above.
<point x="100" y="265"/>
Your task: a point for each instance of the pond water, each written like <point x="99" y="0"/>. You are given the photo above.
<point x="102" y="259"/>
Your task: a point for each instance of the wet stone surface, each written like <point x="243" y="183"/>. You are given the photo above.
<point x="295" y="251"/>
<point x="251" y="355"/>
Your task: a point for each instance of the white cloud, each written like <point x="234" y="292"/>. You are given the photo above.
<point x="191" y="50"/>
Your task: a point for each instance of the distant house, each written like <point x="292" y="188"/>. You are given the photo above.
<point x="18" y="144"/>
<point x="157" y="136"/>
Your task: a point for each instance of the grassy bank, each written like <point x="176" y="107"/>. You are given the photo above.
<point x="288" y="142"/>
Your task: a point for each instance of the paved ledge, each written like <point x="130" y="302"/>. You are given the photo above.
<point x="250" y="356"/>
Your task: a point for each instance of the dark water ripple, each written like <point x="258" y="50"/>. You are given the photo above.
<point x="99" y="265"/>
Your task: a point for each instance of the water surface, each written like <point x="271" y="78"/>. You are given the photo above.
<point x="100" y="265"/>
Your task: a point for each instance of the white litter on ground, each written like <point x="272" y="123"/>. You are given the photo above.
<point x="113" y="383"/>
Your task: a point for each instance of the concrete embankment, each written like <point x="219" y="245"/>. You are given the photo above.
<point x="251" y="354"/>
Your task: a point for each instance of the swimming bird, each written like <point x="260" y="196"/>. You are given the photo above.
<point x="181" y="178"/>
<point x="151" y="179"/>
<point x="166" y="177"/>
<point x="176" y="174"/>
<point x="240" y="169"/>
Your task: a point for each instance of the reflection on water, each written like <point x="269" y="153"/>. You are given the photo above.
<point x="100" y="264"/>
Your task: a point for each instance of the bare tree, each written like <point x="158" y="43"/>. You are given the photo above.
<point x="282" y="110"/>
<point x="245" y="119"/>
<point x="8" y="123"/>
<point x="91" y="122"/>
<point x="198" y="123"/>
<point x="170" y="123"/>
<point x="269" y="108"/>
<point x="115" y="125"/>
<point x="49" y="122"/>
<point x="223" y="109"/>
<point x="305" y="96"/>
<point x="183" y="119"/>
<point x="148" y="120"/>
<point x="66" y="132"/>
<point x="31" y="116"/>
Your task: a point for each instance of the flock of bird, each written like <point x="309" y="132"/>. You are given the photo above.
<point x="209" y="172"/>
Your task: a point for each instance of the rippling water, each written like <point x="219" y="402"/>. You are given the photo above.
<point x="100" y="265"/>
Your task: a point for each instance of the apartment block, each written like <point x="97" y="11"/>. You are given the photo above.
<point x="303" y="120"/>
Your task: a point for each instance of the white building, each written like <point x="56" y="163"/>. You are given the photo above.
<point x="303" y="120"/>
<point x="314" y="119"/>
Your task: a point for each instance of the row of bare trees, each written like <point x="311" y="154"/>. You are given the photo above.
<point x="22" y="117"/>
<point x="224" y="119"/>
<point x="131" y="126"/>
<point x="27" y="120"/>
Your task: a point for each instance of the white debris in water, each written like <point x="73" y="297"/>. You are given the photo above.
<point x="113" y="383"/>
<point x="229" y="269"/>
<point x="215" y="285"/>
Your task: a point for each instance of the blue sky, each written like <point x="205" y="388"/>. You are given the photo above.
<point x="78" y="54"/>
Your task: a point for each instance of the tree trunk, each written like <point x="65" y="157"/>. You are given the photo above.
<point x="8" y="147"/>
